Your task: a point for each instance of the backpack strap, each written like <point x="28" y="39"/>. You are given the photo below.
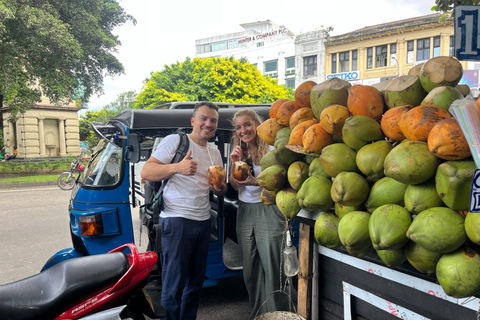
<point x="182" y="150"/>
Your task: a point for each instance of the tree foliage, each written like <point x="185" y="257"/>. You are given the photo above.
<point x="58" y="49"/>
<point x="210" y="79"/>
<point x="446" y="6"/>
<point x="124" y="101"/>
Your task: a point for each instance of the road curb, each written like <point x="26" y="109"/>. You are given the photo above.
<point x="20" y="185"/>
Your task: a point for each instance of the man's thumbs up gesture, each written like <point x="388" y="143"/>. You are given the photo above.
<point x="187" y="167"/>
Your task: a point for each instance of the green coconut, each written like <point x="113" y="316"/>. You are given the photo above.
<point x="297" y="173"/>
<point x="358" y="131"/>
<point x="268" y="197"/>
<point x="442" y="97"/>
<point x="324" y="94"/>
<point x="283" y="133"/>
<point x="392" y="258"/>
<point x="453" y="181"/>
<point x="353" y="233"/>
<point x="387" y="227"/>
<point x="386" y="191"/>
<point x="472" y="226"/>
<point x="421" y="259"/>
<point x="341" y="210"/>
<point x="349" y="188"/>
<point x="411" y="163"/>
<point x="314" y="195"/>
<point x="370" y="159"/>
<point x="419" y="197"/>
<point x="404" y="90"/>
<point x="268" y="160"/>
<point x="439" y="230"/>
<point x="326" y="230"/>
<point x="287" y="203"/>
<point x="440" y="71"/>
<point x="285" y="156"/>
<point x="336" y="158"/>
<point x="458" y="273"/>
<point x="273" y="178"/>
<point x="316" y="169"/>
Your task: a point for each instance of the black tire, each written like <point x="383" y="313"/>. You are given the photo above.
<point x="66" y="181"/>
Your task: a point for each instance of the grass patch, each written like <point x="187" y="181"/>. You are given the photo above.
<point x="39" y="178"/>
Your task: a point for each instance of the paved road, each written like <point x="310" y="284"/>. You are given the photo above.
<point x="34" y="225"/>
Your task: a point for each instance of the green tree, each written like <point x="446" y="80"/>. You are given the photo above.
<point x="86" y="132"/>
<point x="210" y="79"/>
<point x="446" y="6"/>
<point x="57" y="49"/>
<point x="124" y="101"/>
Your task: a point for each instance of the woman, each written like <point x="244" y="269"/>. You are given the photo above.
<point x="259" y="227"/>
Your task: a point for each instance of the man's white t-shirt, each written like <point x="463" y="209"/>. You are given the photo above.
<point x="187" y="196"/>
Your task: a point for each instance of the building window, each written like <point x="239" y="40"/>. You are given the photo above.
<point x="354" y="60"/>
<point x="344" y="61"/>
<point x="270" y="67"/>
<point x="260" y="44"/>
<point x="381" y="56"/>
<point x="204" y="48"/>
<point x="310" y="66"/>
<point x="451" y="49"/>
<point x="334" y="63"/>
<point x="289" y="66"/>
<point x="290" y="62"/>
<point x="423" y="49"/>
<point x="410" y="51"/>
<point x="369" y="58"/>
<point x="393" y="54"/>
<point x="290" y="82"/>
<point x="436" y="46"/>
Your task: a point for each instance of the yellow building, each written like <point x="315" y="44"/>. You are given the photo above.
<point x="44" y="131"/>
<point x="376" y="53"/>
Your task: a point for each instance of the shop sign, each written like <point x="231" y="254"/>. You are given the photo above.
<point x="352" y="75"/>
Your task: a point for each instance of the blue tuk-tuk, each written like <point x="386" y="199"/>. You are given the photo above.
<point x="101" y="201"/>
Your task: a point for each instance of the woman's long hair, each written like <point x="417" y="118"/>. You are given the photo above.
<point x="262" y="146"/>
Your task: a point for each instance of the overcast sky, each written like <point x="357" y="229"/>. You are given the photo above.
<point x="166" y="30"/>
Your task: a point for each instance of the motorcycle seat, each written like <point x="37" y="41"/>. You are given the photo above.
<point x="49" y="293"/>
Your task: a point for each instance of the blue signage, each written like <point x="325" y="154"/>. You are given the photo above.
<point x="352" y="75"/>
<point x="467" y="38"/>
<point x="475" y="192"/>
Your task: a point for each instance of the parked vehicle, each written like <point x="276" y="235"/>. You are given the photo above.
<point x="100" y="205"/>
<point x="105" y="286"/>
<point x="67" y="180"/>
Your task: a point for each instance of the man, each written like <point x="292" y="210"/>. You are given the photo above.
<point x="185" y="218"/>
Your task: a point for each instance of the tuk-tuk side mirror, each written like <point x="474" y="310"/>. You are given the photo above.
<point x="133" y="149"/>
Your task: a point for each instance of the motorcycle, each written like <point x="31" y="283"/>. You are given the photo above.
<point x="100" y="287"/>
<point x="66" y="181"/>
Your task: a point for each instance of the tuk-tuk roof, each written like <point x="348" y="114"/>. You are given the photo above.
<point x="143" y="119"/>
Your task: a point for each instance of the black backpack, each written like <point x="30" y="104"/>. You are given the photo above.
<point x="156" y="204"/>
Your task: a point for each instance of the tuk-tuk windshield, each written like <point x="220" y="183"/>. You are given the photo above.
<point x="103" y="170"/>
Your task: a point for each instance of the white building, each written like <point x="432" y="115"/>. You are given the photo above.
<point x="268" y="46"/>
<point x="310" y="56"/>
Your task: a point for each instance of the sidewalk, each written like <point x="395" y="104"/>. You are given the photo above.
<point x="18" y="185"/>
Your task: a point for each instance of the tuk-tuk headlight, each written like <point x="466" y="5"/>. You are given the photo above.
<point x="91" y="225"/>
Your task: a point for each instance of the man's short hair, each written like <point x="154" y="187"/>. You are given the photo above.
<point x="209" y="104"/>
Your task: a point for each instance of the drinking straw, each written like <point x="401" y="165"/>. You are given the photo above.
<point x="467" y="113"/>
<point x="210" y="156"/>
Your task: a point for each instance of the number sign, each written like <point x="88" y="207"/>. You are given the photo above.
<point x="467" y="40"/>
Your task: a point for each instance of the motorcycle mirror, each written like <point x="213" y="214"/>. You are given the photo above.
<point x="133" y="149"/>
